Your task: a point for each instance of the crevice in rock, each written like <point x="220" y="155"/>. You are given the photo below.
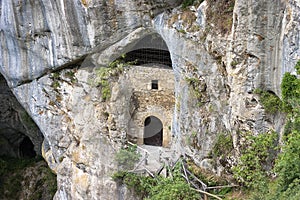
<point x="70" y="65"/>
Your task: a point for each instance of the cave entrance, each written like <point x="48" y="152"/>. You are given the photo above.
<point x="153" y="131"/>
<point x="149" y="56"/>
<point x="27" y="148"/>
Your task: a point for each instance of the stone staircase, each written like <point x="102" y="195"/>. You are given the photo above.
<point x="154" y="159"/>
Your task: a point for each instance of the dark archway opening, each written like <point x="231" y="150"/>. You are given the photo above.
<point x="27" y="148"/>
<point x="149" y="56"/>
<point x="153" y="131"/>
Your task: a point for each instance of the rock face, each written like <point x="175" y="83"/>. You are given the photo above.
<point x="52" y="52"/>
<point x="19" y="135"/>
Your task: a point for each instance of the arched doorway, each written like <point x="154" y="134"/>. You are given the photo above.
<point x="153" y="131"/>
<point x="27" y="148"/>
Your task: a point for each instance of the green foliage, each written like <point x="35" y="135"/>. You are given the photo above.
<point x="198" y="88"/>
<point x="288" y="163"/>
<point x="187" y="3"/>
<point x="55" y="84"/>
<point x="55" y="76"/>
<point x="127" y="157"/>
<point x="258" y="152"/>
<point x="160" y="188"/>
<point x="71" y="75"/>
<point x="173" y="188"/>
<point x="270" y="101"/>
<point x="234" y="63"/>
<point x="290" y="88"/>
<point x="297" y="67"/>
<point x="105" y="74"/>
<point x="182" y="31"/>
<point x="141" y="185"/>
<point x="223" y="145"/>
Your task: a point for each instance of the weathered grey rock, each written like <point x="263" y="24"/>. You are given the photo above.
<point x="83" y="132"/>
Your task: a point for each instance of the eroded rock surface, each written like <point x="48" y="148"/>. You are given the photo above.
<point x="51" y="50"/>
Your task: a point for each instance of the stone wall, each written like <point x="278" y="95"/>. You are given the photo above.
<point x="150" y="102"/>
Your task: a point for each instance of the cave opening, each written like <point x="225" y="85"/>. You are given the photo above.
<point x="27" y="148"/>
<point x="151" y="49"/>
<point x="153" y="131"/>
<point x="149" y="56"/>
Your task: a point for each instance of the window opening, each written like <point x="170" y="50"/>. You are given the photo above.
<point x="154" y="84"/>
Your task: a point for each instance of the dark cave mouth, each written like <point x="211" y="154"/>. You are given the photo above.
<point x="26" y="148"/>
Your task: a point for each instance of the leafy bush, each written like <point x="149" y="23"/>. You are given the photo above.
<point x="288" y="163"/>
<point x="258" y="152"/>
<point x="127" y="157"/>
<point x="223" y="145"/>
<point x="160" y="188"/>
<point x="297" y="67"/>
<point x="290" y="88"/>
<point x="270" y="101"/>
<point x="198" y="88"/>
<point x="141" y="185"/>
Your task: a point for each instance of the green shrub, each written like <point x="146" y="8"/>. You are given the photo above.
<point x="198" y="88"/>
<point x="141" y="185"/>
<point x="270" y="101"/>
<point x="223" y="145"/>
<point x="127" y="157"/>
<point x="258" y="152"/>
<point x="159" y="188"/>
<point x="290" y="88"/>
<point x="71" y="75"/>
<point x="288" y="163"/>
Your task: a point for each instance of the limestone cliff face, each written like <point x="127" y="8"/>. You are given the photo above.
<point x="51" y="52"/>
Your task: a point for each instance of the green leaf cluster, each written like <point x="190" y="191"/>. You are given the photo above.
<point x="258" y="152"/>
<point x="158" y="188"/>
<point x="141" y="185"/>
<point x="105" y="74"/>
<point x="250" y="170"/>
<point x="290" y="88"/>
<point x="127" y="157"/>
<point x="223" y="145"/>
<point x="270" y="101"/>
<point x="288" y="163"/>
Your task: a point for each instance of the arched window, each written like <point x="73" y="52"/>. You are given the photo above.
<point x="153" y="131"/>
